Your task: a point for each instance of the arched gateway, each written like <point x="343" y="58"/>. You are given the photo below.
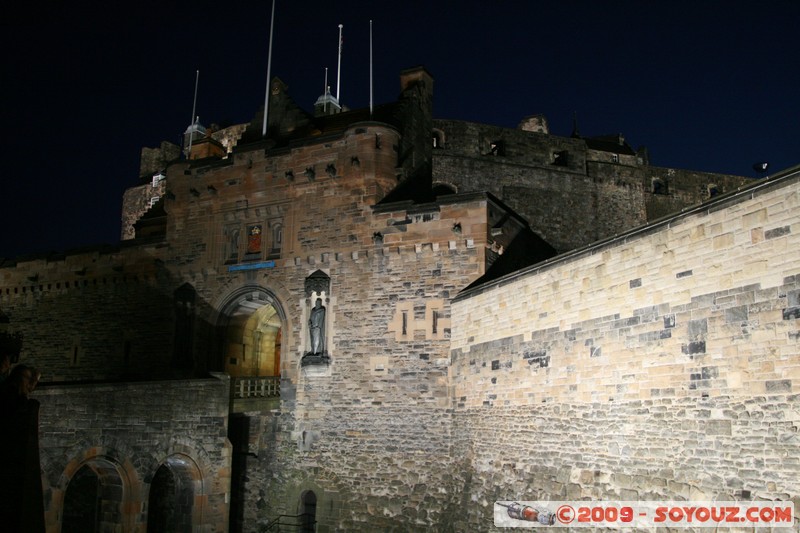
<point x="251" y="322"/>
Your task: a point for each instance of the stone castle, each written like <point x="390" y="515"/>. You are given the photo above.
<point x="374" y="320"/>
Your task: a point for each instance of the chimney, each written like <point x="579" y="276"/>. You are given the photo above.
<point x="535" y="123"/>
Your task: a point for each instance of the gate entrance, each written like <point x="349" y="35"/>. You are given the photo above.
<point x="253" y="331"/>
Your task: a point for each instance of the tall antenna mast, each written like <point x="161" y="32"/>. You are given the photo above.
<point x="325" y="91"/>
<point x="339" y="68"/>
<point x="269" y="69"/>
<point x="370" y="68"/>
<point x="194" y="110"/>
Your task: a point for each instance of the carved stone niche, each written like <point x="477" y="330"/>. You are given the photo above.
<point x="318" y="282"/>
<point x="317" y="288"/>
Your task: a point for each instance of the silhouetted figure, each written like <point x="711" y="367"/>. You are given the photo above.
<point x="21" y="500"/>
<point x="10" y="346"/>
<point x="5" y="366"/>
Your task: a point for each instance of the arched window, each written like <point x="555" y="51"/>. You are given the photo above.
<point x="276" y="242"/>
<point x="81" y="502"/>
<point x="659" y="186"/>
<point x="308" y="511"/>
<point x="713" y="190"/>
<point x="442" y="189"/>
<point x="171" y="506"/>
<point x="93" y="500"/>
<point x="437" y="137"/>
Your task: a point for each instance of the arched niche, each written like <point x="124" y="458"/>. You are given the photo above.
<point x="308" y="511"/>
<point x="94" y="499"/>
<point x="176" y="495"/>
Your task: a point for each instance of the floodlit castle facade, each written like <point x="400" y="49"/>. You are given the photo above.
<point x="382" y="321"/>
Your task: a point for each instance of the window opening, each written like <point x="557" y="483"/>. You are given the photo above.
<point x="560" y="158"/>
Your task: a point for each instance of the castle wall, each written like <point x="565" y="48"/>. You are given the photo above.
<point x="136" y="201"/>
<point x="568" y="205"/>
<point x="661" y="365"/>
<point x="92" y="315"/>
<point x="369" y="432"/>
<point x="124" y="432"/>
<point x="381" y="406"/>
<point x="606" y="374"/>
<point x="588" y="196"/>
<point x="682" y="188"/>
<point x="154" y="160"/>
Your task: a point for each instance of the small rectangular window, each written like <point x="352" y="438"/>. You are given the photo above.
<point x="405" y="322"/>
<point x="435" y="325"/>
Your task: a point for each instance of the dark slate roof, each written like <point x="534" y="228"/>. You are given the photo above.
<point x="525" y="249"/>
<point x="415" y="190"/>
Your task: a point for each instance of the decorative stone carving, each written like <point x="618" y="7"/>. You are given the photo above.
<point x="318" y="282"/>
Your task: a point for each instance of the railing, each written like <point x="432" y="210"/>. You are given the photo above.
<point x="256" y="387"/>
<point x="303" y="523"/>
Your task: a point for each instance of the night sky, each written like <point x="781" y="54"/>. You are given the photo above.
<point x="705" y="85"/>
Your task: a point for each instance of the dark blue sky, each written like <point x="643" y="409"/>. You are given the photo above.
<point x="705" y="85"/>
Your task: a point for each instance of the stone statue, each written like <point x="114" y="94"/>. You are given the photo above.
<point x="316" y="327"/>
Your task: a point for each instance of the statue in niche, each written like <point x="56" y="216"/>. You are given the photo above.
<point x="316" y="328"/>
<point x="317" y="285"/>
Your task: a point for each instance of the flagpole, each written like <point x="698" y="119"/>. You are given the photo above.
<point x="269" y="70"/>
<point x="339" y="68"/>
<point x="370" y="68"/>
<point x="194" y="110"/>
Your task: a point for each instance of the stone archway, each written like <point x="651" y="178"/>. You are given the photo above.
<point x="176" y="494"/>
<point x="308" y="511"/>
<point x="252" y="322"/>
<point x="94" y="498"/>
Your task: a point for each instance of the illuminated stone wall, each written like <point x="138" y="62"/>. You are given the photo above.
<point x="661" y="365"/>
<point x="123" y="433"/>
<point x="579" y="379"/>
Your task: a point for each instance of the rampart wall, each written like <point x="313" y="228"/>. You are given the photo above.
<point x="124" y="432"/>
<point x="104" y="314"/>
<point x="662" y="365"/>
<point x="583" y="196"/>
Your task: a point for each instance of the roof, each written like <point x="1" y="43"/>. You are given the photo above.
<point x="609" y="143"/>
<point x="525" y="249"/>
